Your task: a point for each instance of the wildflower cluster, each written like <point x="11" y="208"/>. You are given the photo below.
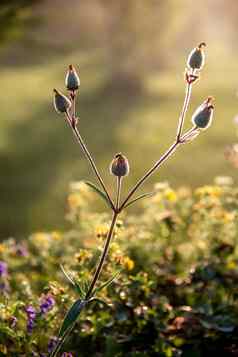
<point x="176" y="293"/>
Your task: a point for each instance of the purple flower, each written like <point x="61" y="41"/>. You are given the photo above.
<point x="52" y="343"/>
<point x="47" y="303"/>
<point x="3" y="268"/>
<point x="31" y="316"/>
<point x="30" y="325"/>
<point x="67" y="354"/>
<point x="31" y="312"/>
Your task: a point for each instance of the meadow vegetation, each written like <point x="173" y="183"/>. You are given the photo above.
<point x="176" y="294"/>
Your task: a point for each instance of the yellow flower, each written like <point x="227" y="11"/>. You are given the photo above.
<point x="101" y="231"/>
<point x="213" y="191"/>
<point x="128" y="263"/>
<point x="41" y="239"/>
<point x="170" y="195"/>
<point x="74" y="200"/>
<point x="231" y="265"/>
<point x="56" y="235"/>
<point x="228" y="217"/>
<point x="2" y="248"/>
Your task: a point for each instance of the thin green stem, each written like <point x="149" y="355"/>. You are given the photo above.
<point x="89" y="157"/>
<point x="169" y="152"/>
<point x="163" y="158"/>
<point x="184" y="110"/>
<point x="119" y="183"/>
<point x="103" y="256"/>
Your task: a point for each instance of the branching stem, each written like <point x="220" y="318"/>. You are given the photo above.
<point x="117" y="207"/>
<point x="169" y="152"/>
<point x="88" y="156"/>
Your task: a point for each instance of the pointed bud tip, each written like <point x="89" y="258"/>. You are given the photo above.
<point x="202" y="45"/>
<point x="72" y="80"/>
<point x="210" y="99"/>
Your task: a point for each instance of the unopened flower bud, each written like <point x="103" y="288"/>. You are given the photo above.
<point x="61" y="102"/>
<point x="196" y="59"/>
<point x="202" y="118"/>
<point x="119" y="166"/>
<point x="72" y="80"/>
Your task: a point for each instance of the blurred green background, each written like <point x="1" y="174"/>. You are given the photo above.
<point x="131" y="58"/>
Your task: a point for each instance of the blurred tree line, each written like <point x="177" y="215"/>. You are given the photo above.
<point x="136" y="36"/>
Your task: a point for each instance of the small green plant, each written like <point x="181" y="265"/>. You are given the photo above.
<point x="201" y="120"/>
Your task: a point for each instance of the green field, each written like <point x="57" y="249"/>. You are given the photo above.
<point x="39" y="157"/>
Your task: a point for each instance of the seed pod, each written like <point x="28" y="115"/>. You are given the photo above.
<point x="196" y="59"/>
<point x="72" y="80"/>
<point x="61" y="102"/>
<point x="119" y="166"/>
<point x="202" y="118"/>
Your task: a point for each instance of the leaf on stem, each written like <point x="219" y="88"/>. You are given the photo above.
<point x="145" y="195"/>
<point x="73" y="282"/>
<point x="99" y="301"/>
<point x="72" y="316"/>
<point x="190" y="136"/>
<point x="98" y="191"/>
<point x="107" y="283"/>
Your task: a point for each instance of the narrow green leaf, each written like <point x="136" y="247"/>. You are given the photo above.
<point x="107" y="283"/>
<point x="67" y="275"/>
<point x="100" y="301"/>
<point x="99" y="192"/>
<point x="72" y="316"/>
<point x="69" y="323"/>
<point x="145" y="195"/>
<point x="73" y="282"/>
<point x="61" y="341"/>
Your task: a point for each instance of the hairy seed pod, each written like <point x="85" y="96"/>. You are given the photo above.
<point x="61" y="102"/>
<point x="196" y="59"/>
<point x="72" y="80"/>
<point x="202" y="118"/>
<point x="119" y="166"/>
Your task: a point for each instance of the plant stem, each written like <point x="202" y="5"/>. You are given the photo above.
<point x="169" y="152"/>
<point x="163" y="158"/>
<point x="184" y="109"/>
<point x="119" y="182"/>
<point x="89" y="157"/>
<point x="103" y="256"/>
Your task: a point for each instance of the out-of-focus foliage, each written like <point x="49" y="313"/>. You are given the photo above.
<point x="135" y="36"/>
<point x="14" y="15"/>
<point x="175" y="296"/>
